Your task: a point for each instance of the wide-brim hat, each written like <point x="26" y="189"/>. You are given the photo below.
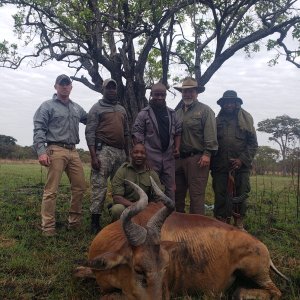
<point x="229" y="95"/>
<point x="190" y="83"/>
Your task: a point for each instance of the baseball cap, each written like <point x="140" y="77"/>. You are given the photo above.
<point x="63" y="79"/>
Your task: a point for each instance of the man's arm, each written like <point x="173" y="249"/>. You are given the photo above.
<point x="121" y="200"/>
<point x="90" y="135"/>
<point x="40" y="123"/>
<point x="177" y="138"/>
<point x="210" y="138"/>
<point x="138" y="129"/>
<point x="247" y="156"/>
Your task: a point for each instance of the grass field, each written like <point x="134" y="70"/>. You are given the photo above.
<point x="35" y="267"/>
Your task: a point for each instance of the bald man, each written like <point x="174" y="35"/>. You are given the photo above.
<point x="158" y="128"/>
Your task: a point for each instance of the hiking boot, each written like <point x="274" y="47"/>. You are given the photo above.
<point x="74" y="226"/>
<point x="238" y="223"/>
<point x="95" y="223"/>
<point x="49" y="233"/>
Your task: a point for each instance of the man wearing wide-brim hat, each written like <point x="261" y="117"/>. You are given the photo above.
<point x="198" y="143"/>
<point x="232" y="163"/>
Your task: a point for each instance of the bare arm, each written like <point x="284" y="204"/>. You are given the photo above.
<point x="121" y="200"/>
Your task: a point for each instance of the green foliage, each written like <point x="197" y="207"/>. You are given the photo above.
<point x="7" y="140"/>
<point x="122" y="36"/>
<point x="265" y="159"/>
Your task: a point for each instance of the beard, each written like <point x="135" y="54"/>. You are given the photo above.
<point x="188" y="102"/>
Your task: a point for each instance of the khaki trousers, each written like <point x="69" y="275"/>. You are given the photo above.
<point x="189" y="176"/>
<point x="63" y="160"/>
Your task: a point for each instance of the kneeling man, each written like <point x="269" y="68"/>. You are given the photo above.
<point x="136" y="171"/>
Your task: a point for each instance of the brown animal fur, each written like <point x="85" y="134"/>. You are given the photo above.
<point x="206" y="258"/>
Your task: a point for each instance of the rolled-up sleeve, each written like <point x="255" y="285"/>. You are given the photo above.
<point x="40" y="124"/>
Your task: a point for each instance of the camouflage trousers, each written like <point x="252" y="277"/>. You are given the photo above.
<point x="111" y="159"/>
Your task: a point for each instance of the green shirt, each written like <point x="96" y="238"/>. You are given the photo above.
<point x="141" y="178"/>
<point x="199" y="132"/>
<point x="233" y="143"/>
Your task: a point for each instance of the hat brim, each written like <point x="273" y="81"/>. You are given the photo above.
<point x="200" y="89"/>
<point x="221" y="100"/>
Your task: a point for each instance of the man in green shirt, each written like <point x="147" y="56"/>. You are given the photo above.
<point x="232" y="164"/>
<point x="198" y="142"/>
<point x="137" y="172"/>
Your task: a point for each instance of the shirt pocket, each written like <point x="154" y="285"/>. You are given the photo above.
<point x="58" y="119"/>
<point x="195" y="124"/>
<point x="240" y="134"/>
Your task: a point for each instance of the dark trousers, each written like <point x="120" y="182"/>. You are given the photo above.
<point x="189" y="176"/>
<point x="219" y="183"/>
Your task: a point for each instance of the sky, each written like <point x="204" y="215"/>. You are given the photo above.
<point x="266" y="91"/>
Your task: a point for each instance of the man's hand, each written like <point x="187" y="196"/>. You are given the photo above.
<point x="204" y="161"/>
<point x="44" y="160"/>
<point x="176" y="152"/>
<point x="96" y="163"/>
<point x="235" y="163"/>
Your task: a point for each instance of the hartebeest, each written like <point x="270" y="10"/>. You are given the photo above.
<point x="148" y="255"/>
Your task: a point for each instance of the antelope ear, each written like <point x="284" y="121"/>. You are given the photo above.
<point x="83" y="272"/>
<point x="109" y="260"/>
<point x="170" y="246"/>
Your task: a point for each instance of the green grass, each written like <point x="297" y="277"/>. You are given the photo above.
<point x="35" y="267"/>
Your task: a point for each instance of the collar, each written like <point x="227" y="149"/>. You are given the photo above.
<point x="102" y="102"/>
<point x="129" y="165"/>
<point x="55" y="98"/>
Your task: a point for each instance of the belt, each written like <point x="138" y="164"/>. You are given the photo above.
<point x="189" y="154"/>
<point x="66" y="146"/>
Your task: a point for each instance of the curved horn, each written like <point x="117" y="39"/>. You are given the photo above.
<point x="136" y="234"/>
<point x="158" y="219"/>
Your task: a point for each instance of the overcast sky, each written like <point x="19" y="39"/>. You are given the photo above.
<point x="267" y="92"/>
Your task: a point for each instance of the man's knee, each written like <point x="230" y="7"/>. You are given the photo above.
<point x="116" y="211"/>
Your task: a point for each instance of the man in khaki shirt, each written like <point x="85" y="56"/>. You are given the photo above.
<point x="198" y="143"/>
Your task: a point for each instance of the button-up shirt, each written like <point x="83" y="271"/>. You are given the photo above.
<point x="141" y="178"/>
<point x="57" y="122"/>
<point x="199" y="132"/>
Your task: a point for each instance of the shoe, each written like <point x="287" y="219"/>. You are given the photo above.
<point x="49" y="233"/>
<point x="74" y="226"/>
<point x="95" y="223"/>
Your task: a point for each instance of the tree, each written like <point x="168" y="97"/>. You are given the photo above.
<point x="265" y="159"/>
<point x="285" y="132"/>
<point x="293" y="160"/>
<point x="139" y="42"/>
<point x="291" y="53"/>
<point x="7" y="140"/>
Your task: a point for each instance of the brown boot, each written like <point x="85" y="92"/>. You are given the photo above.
<point x="238" y="222"/>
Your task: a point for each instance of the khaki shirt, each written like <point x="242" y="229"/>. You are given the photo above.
<point x="199" y="132"/>
<point x="141" y="178"/>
